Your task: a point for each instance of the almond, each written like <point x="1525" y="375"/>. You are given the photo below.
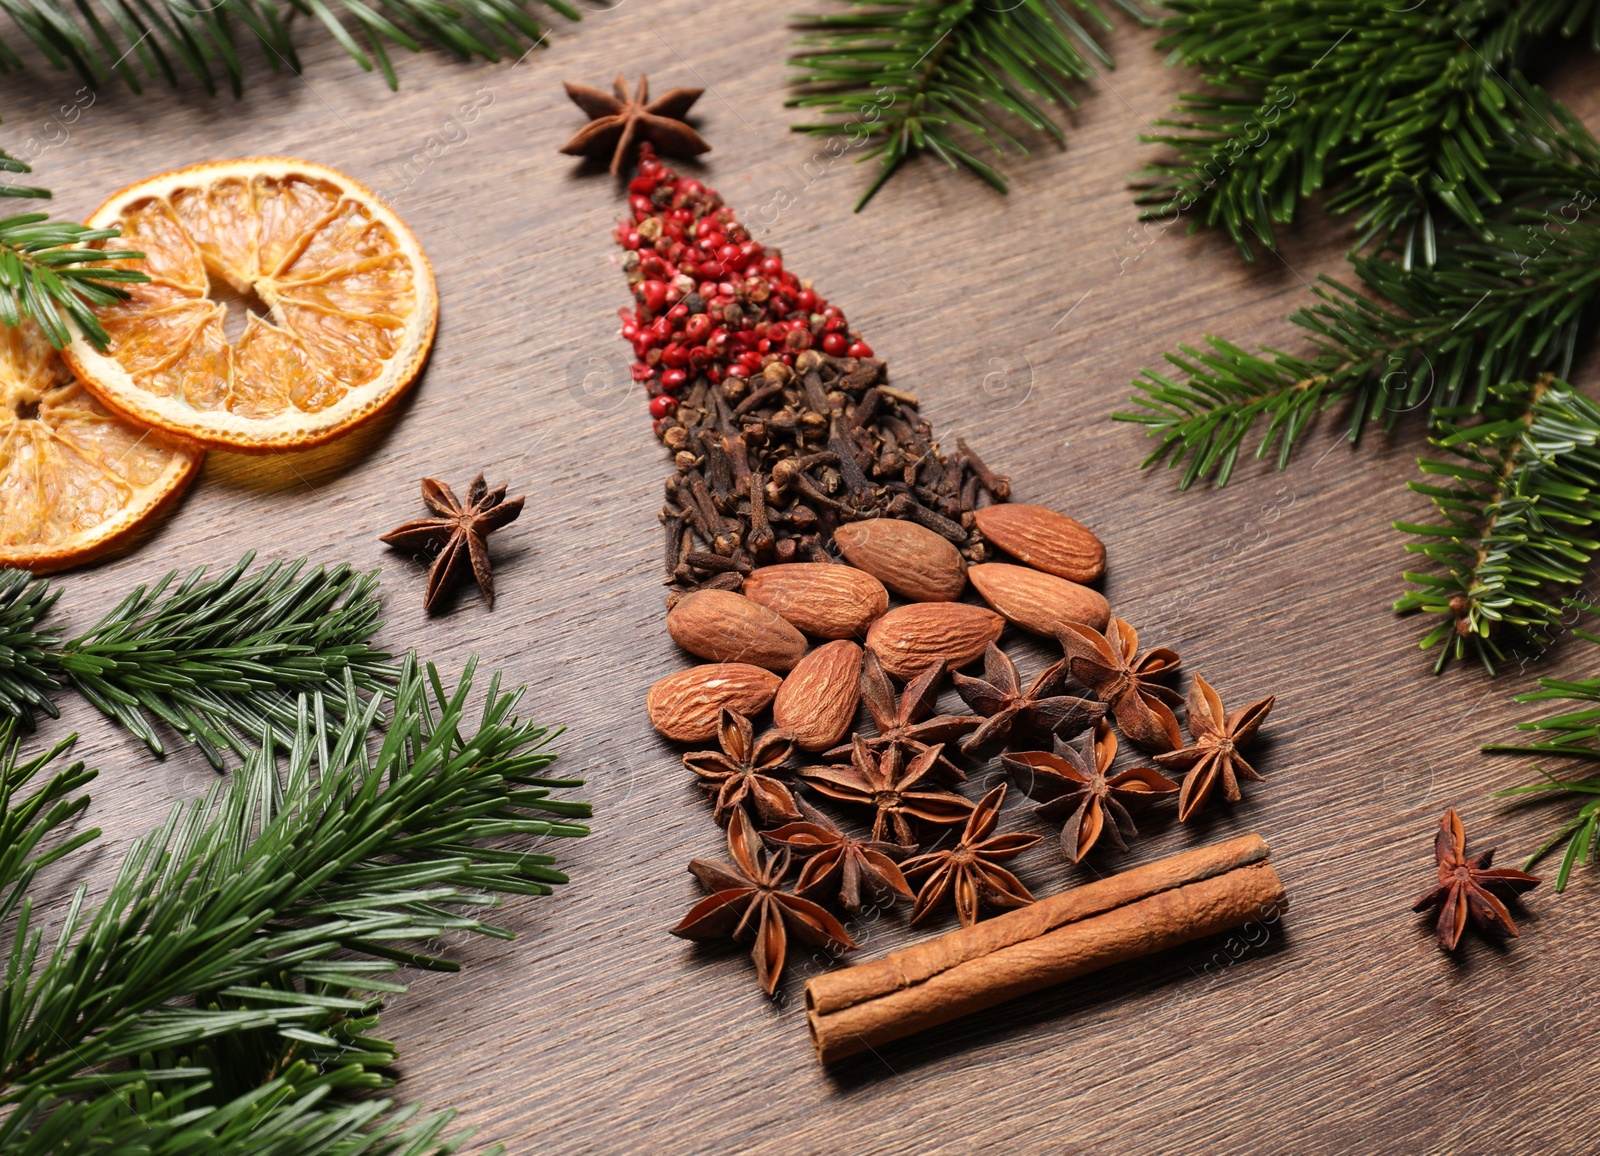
<point x="1045" y="540"/>
<point x="685" y="706"/>
<point x="817" y="702"/>
<point x="821" y="598"/>
<point x="728" y="627"/>
<point x="1038" y="601"/>
<point x="909" y="559"/>
<point x="909" y="639"/>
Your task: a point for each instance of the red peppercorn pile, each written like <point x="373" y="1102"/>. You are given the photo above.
<point x="710" y="299"/>
<point x="782" y="422"/>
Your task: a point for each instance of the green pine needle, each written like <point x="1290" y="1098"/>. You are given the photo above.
<point x="51" y="272"/>
<point x="167" y="40"/>
<point x="1487" y="311"/>
<point x="948" y="77"/>
<point x="1394" y="108"/>
<point x="221" y="997"/>
<point x="219" y="661"/>
<point x="1519" y="507"/>
<point x="27" y="651"/>
<point x="1574" y="733"/>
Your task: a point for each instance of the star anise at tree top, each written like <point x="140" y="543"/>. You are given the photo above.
<point x="1010" y="710"/>
<point x="970" y="871"/>
<point x="903" y="722"/>
<point x="747" y="897"/>
<point x="1072" y="784"/>
<point x="842" y="865"/>
<point x="742" y="772"/>
<point x="620" y="123"/>
<point x="1214" y="757"/>
<point x="893" y="787"/>
<point x="1468" y="888"/>
<point x="1110" y="666"/>
<point x="460" y="534"/>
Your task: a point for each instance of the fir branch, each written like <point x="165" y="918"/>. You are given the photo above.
<point x="908" y="76"/>
<point x="1517" y="517"/>
<point x="27" y="658"/>
<point x="168" y="39"/>
<point x="30" y="819"/>
<point x="48" y="274"/>
<point x="1574" y="734"/>
<point x="223" y="994"/>
<point x="1395" y="108"/>
<point x="221" y="660"/>
<point x="1493" y="309"/>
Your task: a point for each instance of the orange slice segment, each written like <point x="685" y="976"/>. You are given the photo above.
<point x="75" y="480"/>
<point x="340" y="299"/>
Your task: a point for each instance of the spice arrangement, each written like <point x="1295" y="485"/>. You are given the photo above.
<point x="825" y="558"/>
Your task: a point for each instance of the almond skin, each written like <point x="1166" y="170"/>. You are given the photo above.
<point x="1038" y="601"/>
<point x="817" y="702"/>
<point x="823" y="599"/>
<point x="727" y="627"/>
<point x="685" y="706"/>
<point x="909" y="559"/>
<point x="1044" y="539"/>
<point x="909" y="639"/>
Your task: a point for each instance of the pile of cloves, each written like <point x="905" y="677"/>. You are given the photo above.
<point x="768" y="467"/>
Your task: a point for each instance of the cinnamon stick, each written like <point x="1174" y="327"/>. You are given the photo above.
<point x="1136" y="913"/>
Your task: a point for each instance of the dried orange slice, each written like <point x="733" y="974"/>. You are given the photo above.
<point x="336" y="299"/>
<point x="75" y="480"/>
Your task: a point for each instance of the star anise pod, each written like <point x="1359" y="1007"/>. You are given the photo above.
<point x="1110" y="666"/>
<point x="1010" y="710"/>
<point x="747" y="896"/>
<point x="1214" y="756"/>
<point x="903" y="721"/>
<point x="1468" y="888"/>
<point x="1072" y="785"/>
<point x="460" y="534"/>
<point x="742" y="772"/>
<point x="893" y="787"/>
<point x="840" y="865"/>
<point x="621" y="122"/>
<point x="970" y="871"/>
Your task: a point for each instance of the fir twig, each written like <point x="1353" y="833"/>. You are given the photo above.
<point x="222" y="994"/>
<point x="1517" y="517"/>
<point x="49" y="276"/>
<point x="27" y="658"/>
<point x="1479" y="265"/>
<point x="943" y="76"/>
<point x="1575" y="735"/>
<point x="167" y="39"/>
<point x="1396" y="108"/>
<point x="219" y="660"/>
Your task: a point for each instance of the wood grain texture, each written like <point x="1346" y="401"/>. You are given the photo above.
<point x="1019" y="320"/>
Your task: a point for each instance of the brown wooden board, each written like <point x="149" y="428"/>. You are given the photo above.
<point x="1019" y="320"/>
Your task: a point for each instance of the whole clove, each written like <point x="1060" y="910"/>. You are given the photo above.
<point x="768" y="467"/>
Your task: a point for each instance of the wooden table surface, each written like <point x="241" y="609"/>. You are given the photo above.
<point x="1019" y="320"/>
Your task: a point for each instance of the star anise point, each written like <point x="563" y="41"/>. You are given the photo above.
<point x="1469" y="890"/>
<point x="970" y="871"/>
<point x="623" y="122"/>
<point x="747" y="898"/>
<point x="459" y="536"/>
